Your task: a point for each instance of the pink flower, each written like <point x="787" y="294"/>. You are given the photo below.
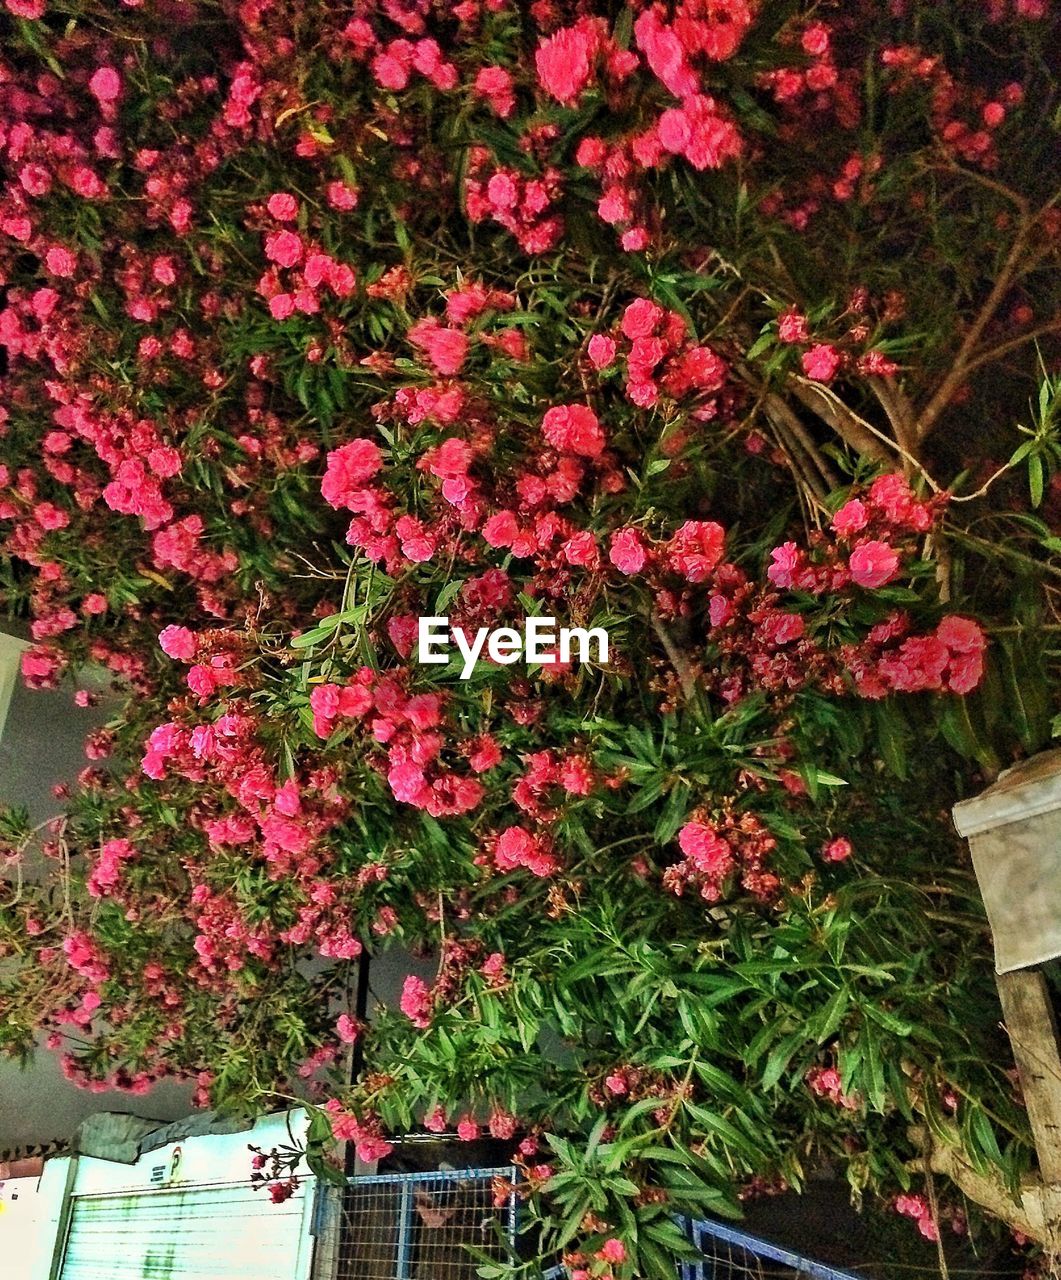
<point x="501" y="530"/>
<point x="821" y="362"/>
<point x="486" y="756"/>
<point x="516" y="847"/>
<point x="392" y="69"/>
<point x="35" y="179"/>
<point x="349" y="469"/>
<point x="435" y="1121"/>
<point x="105" y="85"/>
<point x="961" y="635"/>
<point x="467" y="1129"/>
<point x="665" y="53"/>
<point x="372" y="1148"/>
<point x="792" y="326"/>
<point x="496" y="86"/>
<point x="786" y="562"/>
<point x="60" y="261"/>
<point x="601" y="350"/>
<point x="709" y="853"/>
<point x="282" y="206"/>
<point x="837" y="850"/>
<point x="641" y="318"/>
<point x="31" y="9"/>
<point x="563" y="62"/>
<point x="613" y="1251"/>
<point x="341" y="197"/>
<point x="720" y="610"/>
<point x="178" y="643"/>
<point x="911" y="1206"/>
<point x="283" y="248"/>
<point x="928" y="1228"/>
<point x="696" y="548"/>
<point x="851" y="517"/>
<point x="502" y="1125"/>
<point x="282" y="306"/>
<point x="347" y="1029"/>
<point x="574" y="428"/>
<point x="873" y="564"/>
<point x="696" y="131"/>
<point x="965" y="672"/>
<point x="627" y="552"/>
<point x="416" y="1001"/>
<point x="445" y="348"/>
<point x="815" y="40"/>
<point x="581" y="549"/>
<point x="875" y="364"/>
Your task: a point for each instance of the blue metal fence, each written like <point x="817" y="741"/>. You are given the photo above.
<point x="728" y="1253"/>
<point x="404" y="1226"/>
<point x="416" y="1226"/>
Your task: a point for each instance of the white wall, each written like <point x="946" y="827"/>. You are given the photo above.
<point x="21" y="1231"/>
<point x="29" y="1225"/>
<point x="214" y="1157"/>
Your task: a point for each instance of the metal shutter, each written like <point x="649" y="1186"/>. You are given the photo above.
<point x="227" y="1232"/>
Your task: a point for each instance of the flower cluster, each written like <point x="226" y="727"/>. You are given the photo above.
<point x="317" y="321"/>
<point x="715" y="854"/>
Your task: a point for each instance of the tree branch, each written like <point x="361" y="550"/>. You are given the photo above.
<point x="900" y="410"/>
<point x="785" y="420"/>
<point x="986" y="355"/>
<point x="847" y="424"/>
<point x="962" y="366"/>
<point x="1030" y="1215"/>
<point x="676" y="658"/>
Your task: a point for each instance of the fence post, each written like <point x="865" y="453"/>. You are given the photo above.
<point x="405" y="1231"/>
<point x="1014" y="829"/>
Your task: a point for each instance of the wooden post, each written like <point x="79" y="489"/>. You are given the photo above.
<point x="1013" y="830"/>
<point x="1033" y="1033"/>
<point x="1032" y="1030"/>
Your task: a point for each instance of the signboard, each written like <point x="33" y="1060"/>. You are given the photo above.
<point x="1014" y="834"/>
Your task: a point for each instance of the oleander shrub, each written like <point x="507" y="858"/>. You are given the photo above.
<point x="728" y="329"/>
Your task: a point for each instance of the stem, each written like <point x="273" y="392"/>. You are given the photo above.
<point x="676" y="658"/>
<point x="964" y="359"/>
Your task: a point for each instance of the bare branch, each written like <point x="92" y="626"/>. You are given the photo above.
<point x="676" y="658"/>
<point x="986" y="355"/>
<point x="868" y="427"/>
<point x="782" y="417"/>
<point x="1012" y="269"/>
<point x="1028" y="1215"/>
<point x="845" y="422"/>
<point x="900" y="410"/>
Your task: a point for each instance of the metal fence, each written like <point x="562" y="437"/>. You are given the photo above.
<point x="732" y="1254"/>
<point x="415" y="1226"/>
<point x="727" y="1253"/>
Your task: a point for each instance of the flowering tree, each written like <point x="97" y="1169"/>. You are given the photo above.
<point x="725" y="328"/>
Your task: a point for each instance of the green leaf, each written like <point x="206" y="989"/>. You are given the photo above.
<point x="832" y="1015"/>
<point x="309" y="638"/>
<point x="779" y="1058"/>
<point x="765" y="340"/>
<point x="1035" y="479"/>
<point x="897" y="1026"/>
